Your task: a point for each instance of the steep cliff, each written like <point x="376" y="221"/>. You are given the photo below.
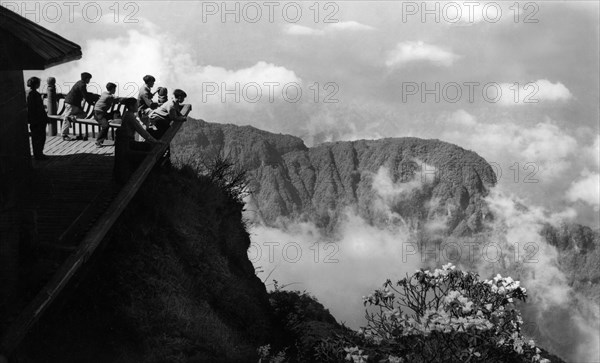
<point x="292" y="181"/>
<point x="173" y="285"/>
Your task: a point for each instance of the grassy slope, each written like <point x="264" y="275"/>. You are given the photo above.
<point x="174" y="284"/>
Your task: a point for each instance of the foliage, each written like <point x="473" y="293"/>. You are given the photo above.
<point x="221" y="171"/>
<point x="446" y="316"/>
<point x="266" y="356"/>
<point x="231" y="179"/>
<point x="304" y="321"/>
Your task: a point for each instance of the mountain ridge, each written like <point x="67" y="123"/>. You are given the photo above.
<point x="291" y="180"/>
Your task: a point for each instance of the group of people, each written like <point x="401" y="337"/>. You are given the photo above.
<point x="157" y="116"/>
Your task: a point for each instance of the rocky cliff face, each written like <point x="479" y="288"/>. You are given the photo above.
<point x="290" y="180"/>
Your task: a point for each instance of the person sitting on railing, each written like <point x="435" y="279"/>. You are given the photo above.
<point x="163" y="95"/>
<point x="128" y="152"/>
<point x="73" y="104"/>
<point x="169" y="111"/>
<point x="101" y="108"/>
<point x="165" y="114"/>
<point x="37" y="118"/>
<point x="145" y="104"/>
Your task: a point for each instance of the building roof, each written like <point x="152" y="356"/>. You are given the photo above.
<point x="27" y="45"/>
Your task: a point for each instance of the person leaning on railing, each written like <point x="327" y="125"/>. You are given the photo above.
<point x="145" y="103"/>
<point x="128" y="152"/>
<point x="73" y="101"/>
<point x="101" y="108"/>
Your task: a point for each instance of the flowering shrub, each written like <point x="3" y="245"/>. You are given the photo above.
<point x="265" y="355"/>
<point x="446" y="316"/>
<point x="355" y="355"/>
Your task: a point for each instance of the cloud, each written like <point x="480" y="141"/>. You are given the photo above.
<point x="389" y="191"/>
<point x="128" y="57"/>
<point x="546" y="147"/>
<point x="295" y="29"/>
<point x="531" y="93"/>
<point x="337" y="270"/>
<point x="542" y="162"/>
<point x="342" y="266"/>
<point x="462" y="118"/>
<point x="586" y="189"/>
<point x="411" y="51"/>
<point x="258" y="82"/>
<point x="554" y="307"/>
<point x="553" y="91"/>
<point x="592" y="153"/>
<point x="349" y="26"/>
<point x="342" y="26"/>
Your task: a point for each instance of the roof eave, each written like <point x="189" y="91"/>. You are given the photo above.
<point x="64" y="59"/>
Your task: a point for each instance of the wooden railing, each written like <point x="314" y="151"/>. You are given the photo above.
<point x="87" y="125"/>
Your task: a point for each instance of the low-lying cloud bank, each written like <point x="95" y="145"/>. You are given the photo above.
<point x="339" y="269"/>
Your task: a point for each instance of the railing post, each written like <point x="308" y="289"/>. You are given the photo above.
<point x="52" y="104"/>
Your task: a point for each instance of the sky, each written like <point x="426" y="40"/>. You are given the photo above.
<point x="516" y="82"/>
